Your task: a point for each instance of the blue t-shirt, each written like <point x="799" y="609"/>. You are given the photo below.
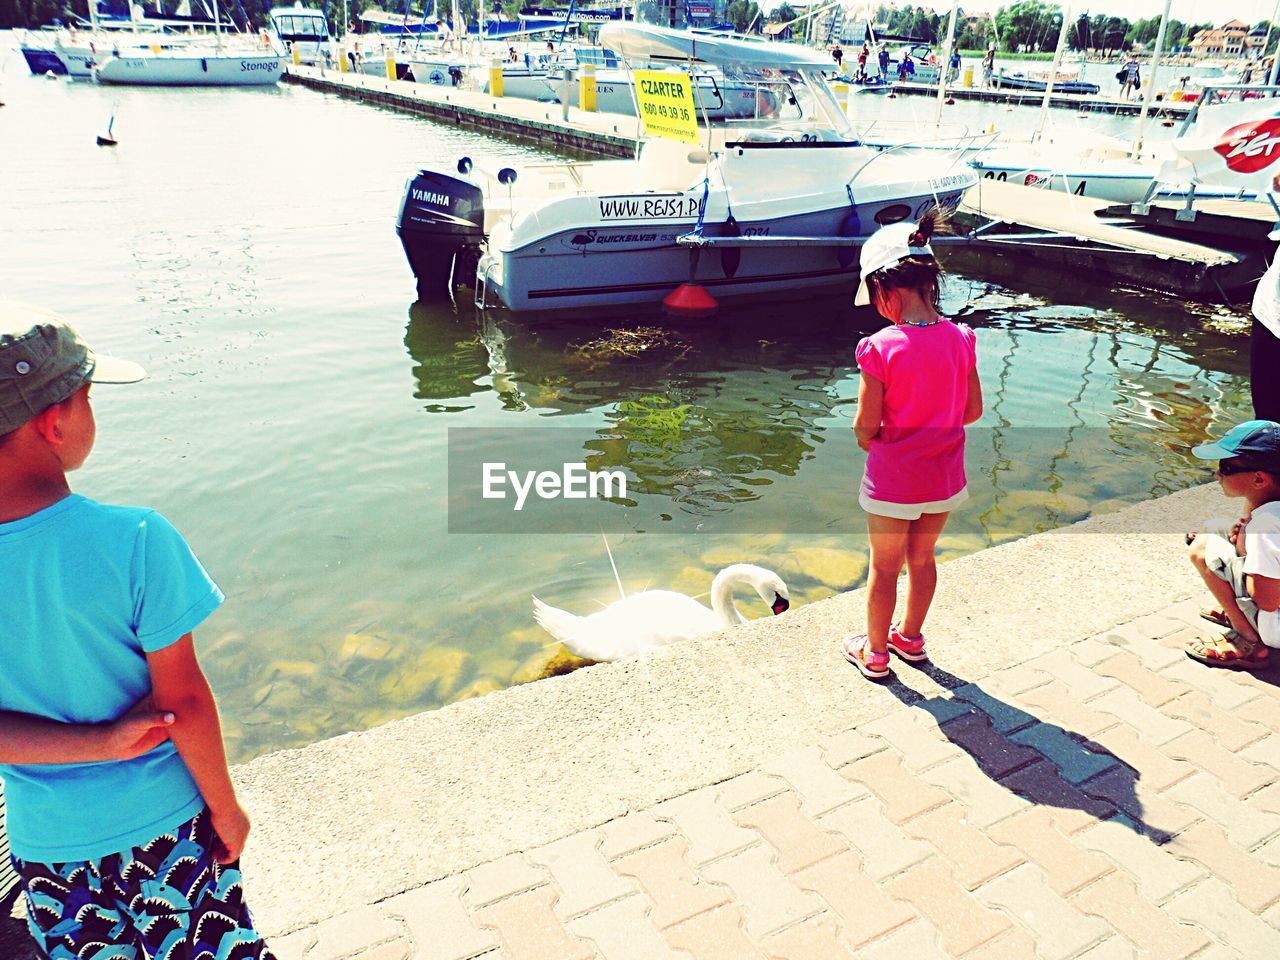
<point x="86" y="591"/>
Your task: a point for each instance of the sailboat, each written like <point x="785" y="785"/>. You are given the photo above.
<point x="202" y="63"/>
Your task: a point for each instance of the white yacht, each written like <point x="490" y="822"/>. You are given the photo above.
<point x="772" y="206"/>
<point x="303" y="31"/>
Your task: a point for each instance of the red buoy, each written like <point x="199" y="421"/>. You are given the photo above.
<point x="690" y="300"/>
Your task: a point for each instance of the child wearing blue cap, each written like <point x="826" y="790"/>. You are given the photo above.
<point x="1241" y="568"/>
<point x="126" y="833"/>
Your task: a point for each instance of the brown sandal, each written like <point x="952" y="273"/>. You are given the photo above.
<point x="1216" y="617"/>
<point x="1232" y="652"/>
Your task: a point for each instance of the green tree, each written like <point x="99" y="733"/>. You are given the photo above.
<point x="1028" y="25"/>
<point x="783" y="13"/>
<point x="741" y="13"/>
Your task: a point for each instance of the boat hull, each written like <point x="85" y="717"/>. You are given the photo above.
<point x="41" y="60"/>
<point x="1116" y="187"/>
<point x="637" y="264"/>
<point x="211" y="70"/>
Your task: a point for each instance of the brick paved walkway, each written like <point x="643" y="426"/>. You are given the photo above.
<point x="1109" y="799"/>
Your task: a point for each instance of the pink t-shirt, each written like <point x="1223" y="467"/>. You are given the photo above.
<point x="918" y="455"/>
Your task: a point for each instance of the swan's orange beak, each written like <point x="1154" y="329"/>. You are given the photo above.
<point x="780" y="604"/>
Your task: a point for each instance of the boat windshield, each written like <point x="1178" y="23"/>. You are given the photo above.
<point x="799" y="98"/>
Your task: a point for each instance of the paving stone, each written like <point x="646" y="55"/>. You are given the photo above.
<point x="622" y="931"/>
<point x="1112" y="948"/>
<point x="1042" y="784"/>
<point x="714" y="935"/>
<point x="1260" y="710"/>
<point x="293" y="946"/>
<point x="344" y="934"/>
<point x="1012" y="681"/>
<point x="582" y="876"/>
<point x="1154" y="726"/>
<point x="1210" y="905"/>
<point x="915" y="736"/>
<point x="1267" y="799"/>
<point x="769" y="900"/>
<point x="816" y="938"/>
<point x="973" y="857"/>
<point x="1255" y="883"/>
<point x="1004" y="716"/>
<point x="1157" y="817"/>
<point x="1154" y="768"/>
<point x="1115" y="900"/>
<point x="1158" y="873"/>
<point x="995" y="753"/>
<point x="1155" y="654"/>
<point x="902" y="794"/>
<point x="1268" y="853"/>
<point x="1055" y="703"/>
<point x="1266" y="751"/>
<point x="1245" y="826"/>
<point x="500" y="878"/>
<point x="796" y="840"/>
<point x="1075" y="763"/>
<point x="1153" y="689"/>
<point x="885" y="848"/>
<point x="1060" y="930"/>
<point x="819" y="787"/>
<point x="1093" y="650"/>
<point x="1085" y="683"/>
<point x="1014" y="944"/>
<point x="845" y="748"/>
<point x="400" y="949"/>
<point x="985" y="801"/>
<point x="1236" y="776"/>
<point x="865" y="911"/>
<point x="1199" y="710"/>
<point x="706" y="824"/>
<point x="1225" y="693"/>
<point x="438" y="923"/>
<point x="676" y="891"/>
<point x="529" y="929"/>
<point x="1156" y="625"/>
<point x="917" y="939"/>
<point x="749" y="788"/>
<point x="1067" y="866"/>
<point x="633" y="832"/>
<point x="961" y="920"/>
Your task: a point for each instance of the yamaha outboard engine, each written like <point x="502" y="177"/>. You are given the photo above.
<point x="441" y="226"/>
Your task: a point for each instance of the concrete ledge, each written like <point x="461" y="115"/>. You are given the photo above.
<point x="583" y="132"/>
<point x="359" y="818"/>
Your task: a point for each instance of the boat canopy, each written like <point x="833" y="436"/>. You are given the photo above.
<point x="642" y="41"/>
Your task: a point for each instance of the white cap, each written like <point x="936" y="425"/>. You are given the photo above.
<point x="887" y="247"/>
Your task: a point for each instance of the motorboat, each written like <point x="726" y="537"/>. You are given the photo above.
<point x="771" y="207"/>
<point x="303" y="32"/>
<point x="1034" y="84"/>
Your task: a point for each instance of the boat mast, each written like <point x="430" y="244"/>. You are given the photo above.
<point x="1053" y="72"/>
<point x="1151" y="80"/>
<point x="945" y="66"/>
<point x="217" y="25"/>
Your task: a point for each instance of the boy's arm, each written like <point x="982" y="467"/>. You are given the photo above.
<point x="25" y="738"/>
<point x="179" y="685"/>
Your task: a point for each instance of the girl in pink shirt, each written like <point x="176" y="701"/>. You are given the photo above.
<point x="919" y="388"/>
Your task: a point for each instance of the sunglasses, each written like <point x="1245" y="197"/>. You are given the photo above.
<point x="1227" y="468"/>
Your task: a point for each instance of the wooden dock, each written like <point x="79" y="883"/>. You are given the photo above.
<point x="1022" y="230"/>
<point x="546" y="124"/>
<point x="1080" y="103"/>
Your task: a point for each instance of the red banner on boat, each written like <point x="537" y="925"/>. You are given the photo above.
<point x="1232" y="144"/>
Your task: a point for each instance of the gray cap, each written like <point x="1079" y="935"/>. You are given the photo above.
<point x="43" y="361"/>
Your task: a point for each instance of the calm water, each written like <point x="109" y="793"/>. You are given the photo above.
<point x="240" y="244"/>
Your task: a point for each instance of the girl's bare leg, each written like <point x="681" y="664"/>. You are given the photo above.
<point x="922" y="570"/>
<point x="888" y="554"/>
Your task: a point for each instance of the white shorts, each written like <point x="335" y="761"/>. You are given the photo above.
<point x="911" y="511"/>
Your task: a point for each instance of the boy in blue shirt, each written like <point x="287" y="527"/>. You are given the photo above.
<point x="123" y="822"/>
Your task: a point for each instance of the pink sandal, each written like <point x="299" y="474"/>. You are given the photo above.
<point x="856" y="648"/>
<point x="908" y="648"/>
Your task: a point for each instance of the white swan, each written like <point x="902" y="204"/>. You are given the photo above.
<point x="655" y="618"/>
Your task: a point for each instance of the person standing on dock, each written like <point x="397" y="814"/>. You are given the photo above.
<point x="988" y="64"/>
<point x="918" y="390"/>
<point x="862" y="63"/>
<point x="1264" y="342"/>
<point x="1132" y="81"/>
<point x="125" y="845"/>
<point x="883" y="60"/>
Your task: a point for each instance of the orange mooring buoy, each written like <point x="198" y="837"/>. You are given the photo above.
<point x="690" y="300"/>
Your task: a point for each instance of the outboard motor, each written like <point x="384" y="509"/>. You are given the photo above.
<point x="441" y="221"/>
